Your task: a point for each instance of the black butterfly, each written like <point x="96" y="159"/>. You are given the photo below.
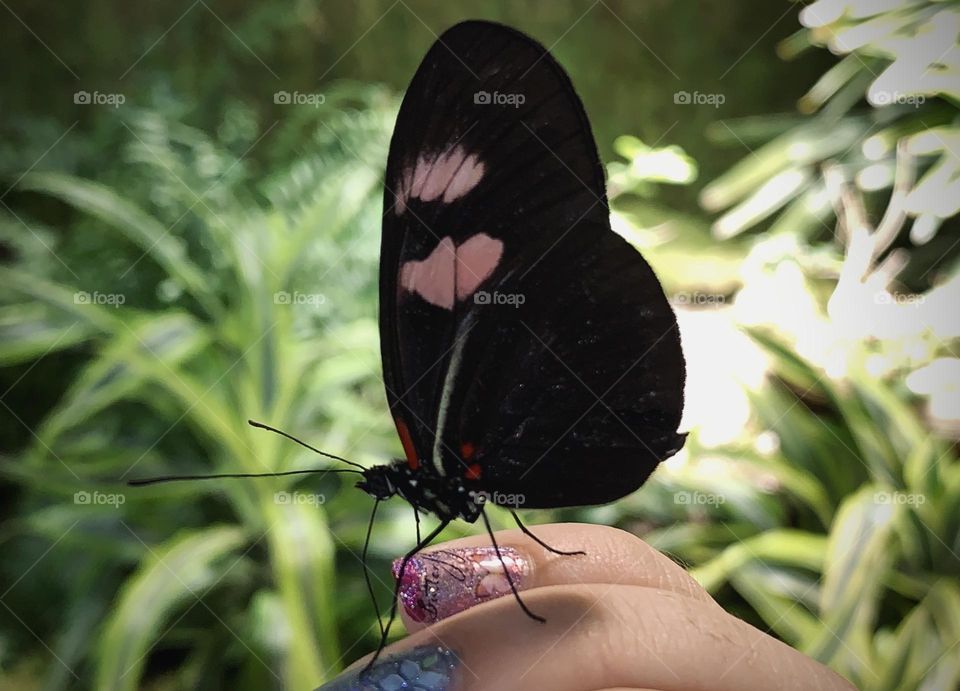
<point x="529" y="353"/>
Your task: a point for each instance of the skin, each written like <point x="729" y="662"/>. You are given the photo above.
<point x="622" y="617"/>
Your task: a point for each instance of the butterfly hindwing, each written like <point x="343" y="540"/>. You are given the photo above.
<point x="526" y="347"/>
<point x="573" y="396"/>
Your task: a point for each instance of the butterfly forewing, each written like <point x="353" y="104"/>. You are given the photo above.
<point x="523" y="341"/>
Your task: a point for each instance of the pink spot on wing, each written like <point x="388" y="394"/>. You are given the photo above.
<point x="467" y="177"/>
<point x="476" y="260"/>
<point x="432" y="278"/>
<point x="419" y="176"/>
<point x="452" y="273"/>
<point x="449" y="176"/>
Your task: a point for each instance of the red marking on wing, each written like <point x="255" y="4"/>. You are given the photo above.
<point x="467" y="450"/>
<point x="408" y="449"/>
<point x="473" y="471"/>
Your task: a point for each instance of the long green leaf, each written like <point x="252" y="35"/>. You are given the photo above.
<point x="172" y="576"/>
<point x="139" y="227"/>
<point x="302" y="553"/>
<point x="171" y="338"/>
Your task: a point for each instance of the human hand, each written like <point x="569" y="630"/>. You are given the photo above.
<point x="623" y="616"/>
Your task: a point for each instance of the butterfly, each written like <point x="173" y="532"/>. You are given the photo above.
<point x="528" y="350"/>
<point x="530" y="357"/>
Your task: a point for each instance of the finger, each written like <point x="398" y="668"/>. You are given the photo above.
<point x="460" y="574"/>
<point x="601" y="636"/>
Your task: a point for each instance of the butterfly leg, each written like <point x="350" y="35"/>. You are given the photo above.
<point x="506" y="572"/>
<point x="366" y="570"/>
<point x="396" y="591"/>
<point x="416" y="517"/>
<point x="526" y="531"/>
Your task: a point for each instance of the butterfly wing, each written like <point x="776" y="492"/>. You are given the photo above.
<point x="573" y="396"/>
<point x="508" y="306"/>
<point x="485" y="159"/>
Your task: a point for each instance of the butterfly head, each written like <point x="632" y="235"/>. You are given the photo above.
<point x="379" y="481"/>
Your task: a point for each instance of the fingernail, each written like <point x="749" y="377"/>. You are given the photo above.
<point x="438" y="584"/>
<point x="427" y="668"/>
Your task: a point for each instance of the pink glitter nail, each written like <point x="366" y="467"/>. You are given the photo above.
<point x="438" y="584"/>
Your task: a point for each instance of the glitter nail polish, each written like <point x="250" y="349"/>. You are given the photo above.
<point x="427" y="668"/>
<point x="438" y="584"/>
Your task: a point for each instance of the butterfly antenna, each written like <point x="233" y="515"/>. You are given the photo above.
<point x="260" y="425"/>
<point x="218" y="476"/>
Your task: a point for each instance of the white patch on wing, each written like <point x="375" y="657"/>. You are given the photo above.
<point x="476" y="260"/>
<point x="452" y="273"/>
<point x="449" y="176"/>
<point x="453" y="370"/>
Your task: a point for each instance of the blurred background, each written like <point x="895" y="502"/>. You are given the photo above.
<point x="189" y="231"/>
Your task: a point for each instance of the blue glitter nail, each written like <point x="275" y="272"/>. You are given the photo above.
<point x="427" y="668"/>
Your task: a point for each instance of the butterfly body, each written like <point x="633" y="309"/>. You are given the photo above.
<point x="446" y="498"/>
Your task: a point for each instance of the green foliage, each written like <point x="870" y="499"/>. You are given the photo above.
<point x="832" y="521"/>
<point x="902" y="61"/>
<point x="232" y="330"/>
<point x="165" y="283"/>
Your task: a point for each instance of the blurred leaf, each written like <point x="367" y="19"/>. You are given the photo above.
<point x="140" y="228"/>
<point x="785" y="547"/>
<point x="113" y="376"/>
<point x="173" y="575"/>
<point x="303" y="565"/>
<point x="29" y="331"/>
<point x="858" y="555"/>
